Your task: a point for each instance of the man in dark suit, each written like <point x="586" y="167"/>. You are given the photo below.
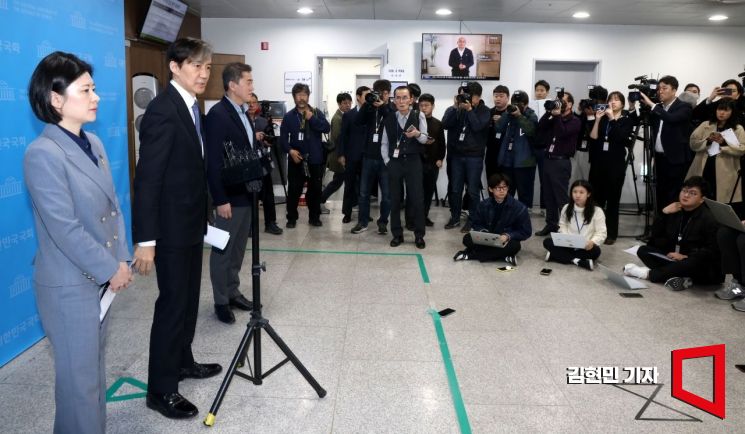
<point x="228" y="122"/>
<point x="670" y="121"/>
<point x="169" y="220"/>
<point x="461" y="59"/>
<point x="351" y="144"/>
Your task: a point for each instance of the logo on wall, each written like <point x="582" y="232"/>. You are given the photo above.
<point x="7" y="93"/>
<point x="20" y="285"/>
<point x="110" y="61"/>
<point x="11" y="187"/>
<point x="43" y="49"/>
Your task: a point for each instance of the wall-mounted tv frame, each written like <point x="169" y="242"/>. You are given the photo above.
<point x="163" y="20"/>
<point x="458" y="56"/>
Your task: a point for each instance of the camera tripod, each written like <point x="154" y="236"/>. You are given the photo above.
<point x="256" y="324"/>
<point x="649" y="173"/>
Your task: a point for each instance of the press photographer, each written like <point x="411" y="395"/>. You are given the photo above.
<point x="581" y="160"/>
<point x="469" y="118"/>
<point x="261" y="115"/>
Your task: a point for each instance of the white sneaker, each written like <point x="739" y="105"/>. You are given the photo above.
<point x="634" y="270"/>
<point x="548" y="256"/>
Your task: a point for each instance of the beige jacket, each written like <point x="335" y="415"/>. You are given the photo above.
<point x="727" y="164"/>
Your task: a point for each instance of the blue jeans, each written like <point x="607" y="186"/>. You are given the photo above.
<point x="371" y="168"/>
<point x="465" y="170"/>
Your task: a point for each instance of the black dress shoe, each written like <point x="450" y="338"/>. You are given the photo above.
<point x="273" y="229"/>
<point x="545" y="231"/>
<point x="346" y="219"/>
<point x="241" y="303"/>
<point x="428" y="222"/>
<point x="419" y="242"/>
<point x="171" y="405"/>
<point x="200" y="370"/>
<point x="396" y="241"/>
<point x="291" y="224"/>
<point x="224" y="313"/>
<point x="316" y="223"/>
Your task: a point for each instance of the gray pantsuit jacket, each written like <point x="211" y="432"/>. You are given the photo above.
<point x="81" y="240"/>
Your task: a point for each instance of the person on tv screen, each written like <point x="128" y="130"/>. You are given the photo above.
<point x="461" y="59"/>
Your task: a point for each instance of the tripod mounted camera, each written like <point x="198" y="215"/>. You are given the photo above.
<point x="248" y="167"/>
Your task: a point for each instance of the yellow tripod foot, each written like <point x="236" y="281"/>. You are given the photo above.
<point x="210" y="419"/>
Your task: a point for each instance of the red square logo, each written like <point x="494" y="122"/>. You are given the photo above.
<point x="716" y="407"/>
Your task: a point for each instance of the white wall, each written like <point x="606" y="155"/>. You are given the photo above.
<point x="703" y="55"/>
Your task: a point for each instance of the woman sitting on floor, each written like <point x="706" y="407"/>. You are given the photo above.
<point x="579" y="217"/>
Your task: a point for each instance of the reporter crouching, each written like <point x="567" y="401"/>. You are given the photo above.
<point x="579" y="217"/>
<point x="499" y="214"/>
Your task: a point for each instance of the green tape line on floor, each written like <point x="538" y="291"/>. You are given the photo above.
<point x="119" y="383"/>
<point x="460" y="408"/>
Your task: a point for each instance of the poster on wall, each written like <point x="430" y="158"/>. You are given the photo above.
<point x="292" y="77"/>
<point x="93" y="30"/>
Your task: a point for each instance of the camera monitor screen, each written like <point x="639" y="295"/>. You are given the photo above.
<point x="455" y="56"/>
<point x="163" y="20"/>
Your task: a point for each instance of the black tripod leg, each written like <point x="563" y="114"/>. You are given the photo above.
<point x="290" y="355"/>
<point x="209" y="420"/>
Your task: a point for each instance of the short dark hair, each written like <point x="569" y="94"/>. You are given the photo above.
<point x="501" y="89"/>
<point x="343" y="96"/>
<point x="735" y="82"/>
<point x="406" y="88"/>
<point x="362" y="89"/>
<point x="474" y="88"/>
<point x="689" y="85"/>
<point x="670" y="81"/>
<point x="697" y="182"/>
<point x="497" y="179"/>
<point x="414" y="89"/>
<point x="300" y="87"/>
<point x="569" y="96"/>
<point x="188" y="48"/>
<point x="619" y="95"/>
<point x="520" y="97"/>
<point x="233" y="72"/>
<point x="382" y="85"/>
<point x="54" y="73"/>
<point x="543" y="83"/>
<point x="427" y="97"/>
<point x="601" y="92"/>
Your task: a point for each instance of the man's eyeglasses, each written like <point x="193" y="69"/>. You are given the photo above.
<point x="690" y="192"/>
<point x="501" y="188"/>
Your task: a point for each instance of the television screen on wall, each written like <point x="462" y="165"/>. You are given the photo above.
<point x="163" y="20"/>
<point x="457" y="56"/>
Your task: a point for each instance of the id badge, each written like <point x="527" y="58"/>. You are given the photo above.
<point x="583" y="146"/>
<point x="551" y="149"/>
<point x="461" y="137"/>
<point x="300" y="136"/>
<point x="376" y="138"/>
<point x="677" y="248"/>
<point x="395" y="153"/>
<point x="499" y="135"/>
<point x="509" y="147"/>
<point x="606" y="145"/>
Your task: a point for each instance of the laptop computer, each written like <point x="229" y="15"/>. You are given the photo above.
<point x="486" y="239"/>
<point x="621" y="280"/>
<point x="725" y="215"/>
<point x="575" y="241"/>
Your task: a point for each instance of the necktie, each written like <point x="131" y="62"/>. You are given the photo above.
<point x="198" y="124"/>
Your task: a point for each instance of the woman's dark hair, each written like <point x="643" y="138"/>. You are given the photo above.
<point x="589" y="206"/>
<point x="725" y="104"/>
<point x="620" y="98"/>
<point x="735" y="82"/>
<point x="497" y="179"/>
<point x="53" y="74"/>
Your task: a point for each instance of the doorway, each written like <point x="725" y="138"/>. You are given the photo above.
<point x="338" y="74"/>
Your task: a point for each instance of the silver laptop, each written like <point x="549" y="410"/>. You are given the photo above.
<point x="575" y="241"/>
<point x="621" y="280"/>
<point x="725" y="215"/>
<point x="486" y="239"/>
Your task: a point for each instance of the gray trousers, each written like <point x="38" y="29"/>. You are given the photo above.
<point x="70" y="317"/>
<point x="226" y="264"/>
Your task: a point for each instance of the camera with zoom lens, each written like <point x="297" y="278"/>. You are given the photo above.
<point x="510" y="108"/>
<point x="372" y="97"/>
<point x="463" y="98"/>
<point x="585" y="104"/>
<point x="646" y="86"/>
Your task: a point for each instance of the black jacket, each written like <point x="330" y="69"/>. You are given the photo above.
<point x="371" y="118"/>
<point x="473" y="124"/>
<point x="513" y="220"/>
<point x="699" y="234"/>
<point x="676" y="125"/>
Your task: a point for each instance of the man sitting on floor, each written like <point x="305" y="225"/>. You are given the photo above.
<point x="683" y="248"/>
<point x="499" y="214"/>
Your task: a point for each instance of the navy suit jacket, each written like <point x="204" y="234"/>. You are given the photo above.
<point x="676" y="131"/>
<point x="352" y="138"/>
<point x="170" y="185"/>
<point x="223" y="125"/>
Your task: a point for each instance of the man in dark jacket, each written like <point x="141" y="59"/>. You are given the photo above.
<point x="499" y="214"/>
<point x="434" y="152"/>
<point x="351" y="144"/>
<point x="683" y="248"/>
<point x="461" y="59"/>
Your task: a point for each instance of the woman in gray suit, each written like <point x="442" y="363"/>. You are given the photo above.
<point x="82" y="242"/>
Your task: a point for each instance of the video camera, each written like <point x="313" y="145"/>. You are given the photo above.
<point x="266" y="113"/>
<point x="557" y="103"/>
<point x="463" y="95"/>
<point x="244" y="166"/>
<point x="595" y="93"/>
<point x="742" y="75"/>
<point x="647" y="86"/>
<point x="373" y="97"/>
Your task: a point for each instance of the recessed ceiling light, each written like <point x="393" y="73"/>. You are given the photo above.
<point x="718" y="17"/>
<point x="581" y="15"/>
<point x="443" y="12"/>
<point x="305" y="11"/>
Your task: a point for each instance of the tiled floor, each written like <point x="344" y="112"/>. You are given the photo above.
<point x="358" y="319"/>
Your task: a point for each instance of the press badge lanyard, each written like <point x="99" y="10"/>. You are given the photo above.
<point x="376" y="135"/>
<point x="681" y="230"/>
<point x="301" y="133"/>
<point x="462" y="135"/>
<point x="576" y="221"/>
<point x="606" y="145"/>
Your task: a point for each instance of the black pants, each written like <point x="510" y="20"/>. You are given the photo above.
<point x="295" y="180"/>
<point x="556" y="174"/>
<point x="331" y="187"/>
<point x="431" y="172"/>
<point x="179" y="274"/>
<point x="607" y="179"/>
<point x="523" y="180"/>
<point x="488" y="253"/>
<point x="406" y="168"/>
<point x="701" y="270"/>
<point x="352" y="173"/>
<point x="565" y="255"/>
<point x="732" y="247"/>
<point x="669" y="179"/>
<point x="267" y="198"/>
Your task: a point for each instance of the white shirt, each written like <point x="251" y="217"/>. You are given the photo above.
<point x="658" y="142"/>
<point x="401" y="118"/>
